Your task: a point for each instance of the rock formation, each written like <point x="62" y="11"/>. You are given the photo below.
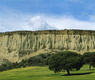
<point x="15" y="46"/>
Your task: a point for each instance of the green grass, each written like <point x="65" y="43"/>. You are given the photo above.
<point x="43" y="73"/>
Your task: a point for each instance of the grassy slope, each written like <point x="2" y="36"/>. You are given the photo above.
<point x="42" y="73"/>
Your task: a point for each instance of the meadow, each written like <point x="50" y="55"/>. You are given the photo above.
<point x="43" y="73"/>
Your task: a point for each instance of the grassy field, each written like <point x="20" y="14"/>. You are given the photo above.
<point x="43" y="73"/>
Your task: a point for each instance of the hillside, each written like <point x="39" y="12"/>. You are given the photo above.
<point x="19" y="45"/>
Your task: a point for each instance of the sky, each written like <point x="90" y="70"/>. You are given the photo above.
<point x="46" y="14"/>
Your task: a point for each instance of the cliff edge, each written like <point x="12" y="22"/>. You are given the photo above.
<point x="18" y="45"/>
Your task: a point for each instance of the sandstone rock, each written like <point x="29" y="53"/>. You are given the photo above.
<point x="18" y="45"/>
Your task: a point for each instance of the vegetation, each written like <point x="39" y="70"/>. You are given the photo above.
<point x="89" y="58"/>
<point x="40" y="60"/>
<point x="66" y="60"/>
<point x="43" y="73"/>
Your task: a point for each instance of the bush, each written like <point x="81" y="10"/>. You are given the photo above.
<point x="89" y="58"/>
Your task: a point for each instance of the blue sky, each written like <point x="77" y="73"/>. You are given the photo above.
<point x="36" y="14"/>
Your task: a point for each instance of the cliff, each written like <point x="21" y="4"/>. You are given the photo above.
<point x="18" y="45"/>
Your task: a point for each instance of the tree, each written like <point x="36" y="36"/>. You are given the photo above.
<point x="89" y="58"/>
<point x="66" y="60"/>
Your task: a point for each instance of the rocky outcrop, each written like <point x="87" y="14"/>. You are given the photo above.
<point x="15" y="46"/>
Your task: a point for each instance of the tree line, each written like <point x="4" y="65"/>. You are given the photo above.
<point x="39" y="60"/>
<point x="60" y="61"/>
<point x="69" y="61"/>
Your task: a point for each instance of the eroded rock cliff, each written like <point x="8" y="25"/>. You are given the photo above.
<point x="15" y="46"/>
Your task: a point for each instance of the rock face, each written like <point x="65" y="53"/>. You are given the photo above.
<point x="15" y="46"/>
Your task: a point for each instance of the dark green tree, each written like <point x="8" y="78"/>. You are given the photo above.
<point x="89" y="58"/>
<point x="66" y="60"/>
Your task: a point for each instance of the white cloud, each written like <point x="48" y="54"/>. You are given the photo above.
<point x="71" y="23"/>
<point x="11" y="20"/>
<point x="41" y="22"/>
<point x="38" y="23"/>
<point x="63" y="22"/>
